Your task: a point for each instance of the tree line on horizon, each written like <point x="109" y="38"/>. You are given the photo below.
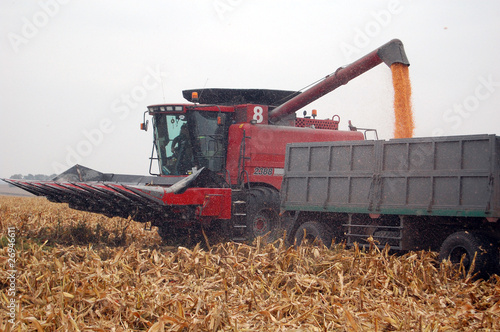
<point x="39" y="177"/>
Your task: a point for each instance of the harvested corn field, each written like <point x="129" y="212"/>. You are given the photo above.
<point x="77" y="271"/>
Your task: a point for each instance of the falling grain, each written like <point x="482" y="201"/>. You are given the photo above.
<point x="402" y="101"/>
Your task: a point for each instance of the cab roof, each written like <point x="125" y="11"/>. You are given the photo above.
<point x="218" y="96"/>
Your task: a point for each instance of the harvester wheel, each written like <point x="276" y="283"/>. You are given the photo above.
<point x="465" y="245"/>
<point x="262" y="213"/>
<point x="314" y="233"/>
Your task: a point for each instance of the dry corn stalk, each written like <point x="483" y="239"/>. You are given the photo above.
<point x="232" y="287"/>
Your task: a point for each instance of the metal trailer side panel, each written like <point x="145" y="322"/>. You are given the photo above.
<point x="448" y="176"/>
<point x="326" y="174"/>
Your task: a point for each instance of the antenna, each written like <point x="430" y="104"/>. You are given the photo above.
<point x="204" y="86"/>
<point x="162" y="89"/>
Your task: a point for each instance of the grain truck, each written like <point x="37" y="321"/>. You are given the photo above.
<point x="437" y="193"/>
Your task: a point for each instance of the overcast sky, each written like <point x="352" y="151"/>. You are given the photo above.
<point x="78" y="75"/>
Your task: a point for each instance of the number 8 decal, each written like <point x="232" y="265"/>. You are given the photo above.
<point x="258" y="115"/>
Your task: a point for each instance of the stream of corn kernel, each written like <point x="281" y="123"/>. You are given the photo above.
<point x="404" y="124"/>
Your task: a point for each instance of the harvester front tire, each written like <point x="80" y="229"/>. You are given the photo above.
<point x="263" y="214"/>
<point x="467" y="245"/>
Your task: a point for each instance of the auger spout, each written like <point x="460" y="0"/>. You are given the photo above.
<point x="392" y="52"/>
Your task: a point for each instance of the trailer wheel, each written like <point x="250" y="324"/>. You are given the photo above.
<point x="466" y="245"/>
<point x="262" y="213"/>
<point x="313" y="232"/>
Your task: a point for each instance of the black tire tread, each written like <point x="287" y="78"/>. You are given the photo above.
<point x="258" y="199"/>
<point x="487" y="259"/>
<point x="317" y="229"/>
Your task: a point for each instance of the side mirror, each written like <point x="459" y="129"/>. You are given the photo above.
<point x="144" y="124"/>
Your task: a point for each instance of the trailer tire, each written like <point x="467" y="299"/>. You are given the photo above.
<point x="263" y="213"/>
<point x="314" y="232"/>
<point x="465" y="243"/>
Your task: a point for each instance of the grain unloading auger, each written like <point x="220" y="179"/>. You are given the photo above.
<point x="220" y="159"/>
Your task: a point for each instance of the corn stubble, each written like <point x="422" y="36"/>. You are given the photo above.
<point x="138" y="284"/>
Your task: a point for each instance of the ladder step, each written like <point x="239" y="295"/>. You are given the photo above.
<point x="239" y="215"/>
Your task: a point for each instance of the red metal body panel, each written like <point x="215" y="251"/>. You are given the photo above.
<point x="210" y="201"/>
<point x="265" y="148"/>
<point x="251" y="112"/>
<point x="213" y="202"/>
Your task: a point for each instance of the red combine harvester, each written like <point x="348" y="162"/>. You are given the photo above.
<point x="220" y="158"/>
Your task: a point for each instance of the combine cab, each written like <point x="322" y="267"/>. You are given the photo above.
<point x="219" y="160"/>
